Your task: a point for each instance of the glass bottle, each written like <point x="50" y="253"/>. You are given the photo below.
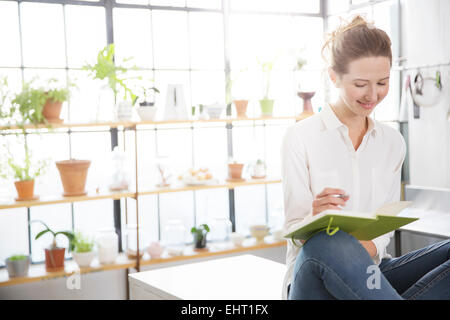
<point x="108" y="246"/>
<point x="131" y="241"/>
<point x="174" y="236"/>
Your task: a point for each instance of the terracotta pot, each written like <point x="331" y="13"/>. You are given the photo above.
<point x="54" y="259"/>
<point x="52" y="110"/>
<point x="25" y="190"/>
<point x="73" y="176"/>
<point x="235" y="170"/>
<point x="241" y="108"/>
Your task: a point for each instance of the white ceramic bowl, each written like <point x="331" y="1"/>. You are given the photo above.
<point x="83" y="259"/>
<point x="214" y="112"/>
<point x="237" y="239"/>
<point x="146" y="113"/>
<point x="259" y="231"/>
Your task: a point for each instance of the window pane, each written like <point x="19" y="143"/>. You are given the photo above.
<point x="176" y="145"/>
<point x="92" y="216"/>
<point x="170" y="39"/>
<point x="266" y="38"/>
<point x="94" y="146"/>
<point x="337" y="6"/>
<point x="10" y="41"/>
<point x="211" y="204"/>
<point x="210" y="150"/>
<point x="250" y="207"/>
<point x="168" y="3"/>
<point x="13" y="232"/>
<point x="248" y="143"/>
<point x="43" y="147"/>
<point x="208" y="87"/>
<point x="305" y="6"/>
<point x="206" y="31"/>
<point x="43" y="39"/>
<point x="143" y="2"/>
<point x="86" y="34"/>
<point x="92" y="100"/>
<point x="180" y="206"/>
<point x="132" y="36"/>
<point x="206" y="4"/>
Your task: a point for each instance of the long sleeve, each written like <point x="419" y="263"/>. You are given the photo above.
<point x="394" y="195"/>
<point x="295" y="179"/>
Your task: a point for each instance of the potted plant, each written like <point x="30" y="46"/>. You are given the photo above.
<point x="147" y="109"/>
<point x="54" y="255"/>
<point x="55" y="97"/>
<point x="106" y="68"/>
<point x="18" y="265"/>
<point x="235" y="169"/>
<point x="73" y="175"/>
<point x="83" y="250"/>
<point x="24" y="173"/>
<point x="266" y="104"/>
<point x="199" y="233"/>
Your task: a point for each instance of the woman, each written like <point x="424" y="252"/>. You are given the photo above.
<point x="339" y="159"/>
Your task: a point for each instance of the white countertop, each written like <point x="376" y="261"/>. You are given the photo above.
<point x="245" y="277"/>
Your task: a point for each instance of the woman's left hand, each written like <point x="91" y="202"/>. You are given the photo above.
<point x="370" y="247"/>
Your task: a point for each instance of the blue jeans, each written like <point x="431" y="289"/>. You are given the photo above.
<point x="338" y="267"/>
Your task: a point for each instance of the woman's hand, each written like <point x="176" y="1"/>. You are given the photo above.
<point x="370" y="247"/>
<point x="329" y="198"/>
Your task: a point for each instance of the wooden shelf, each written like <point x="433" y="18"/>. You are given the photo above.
<point x="132" y="124"/>
<point x="38" y="273"/>
<point x="220" y="184"/>
<point x="48" y="200"/>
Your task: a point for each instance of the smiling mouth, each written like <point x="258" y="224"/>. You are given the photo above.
<point x="367" y="106"/>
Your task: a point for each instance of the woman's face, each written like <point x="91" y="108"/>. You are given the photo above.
<point x="365" y="85"/>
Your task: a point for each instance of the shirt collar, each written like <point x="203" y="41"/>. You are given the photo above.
<point x="331" y="121"/>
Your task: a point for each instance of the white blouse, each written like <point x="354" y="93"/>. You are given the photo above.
<point x="317" y="153"/>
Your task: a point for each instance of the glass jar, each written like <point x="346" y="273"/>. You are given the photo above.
<point x="107" y="245"/>
<point x="174" y="236"/>
<point x="220" y="230"/>
<point x="131" y="241"/>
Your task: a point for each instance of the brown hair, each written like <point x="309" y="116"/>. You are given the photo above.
<point x="354" y="40"/>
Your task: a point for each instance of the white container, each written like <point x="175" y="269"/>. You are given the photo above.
<point x="146" y="113"/>
<point x="237" y="239"/>
<point x="108" y="246"/>
<point x="124" y="111"/>
<point x="83" y="259"/>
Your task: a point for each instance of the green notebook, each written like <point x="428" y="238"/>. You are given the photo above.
<point x="363" y="226"/>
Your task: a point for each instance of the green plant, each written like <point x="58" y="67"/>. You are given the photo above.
<point x="82" y="243"/>
<point x="69" y="234"/>
<point x="200" y="231"/>
<point x="266" y="68"/>
<point x="4" y="97"/>
<point x="229" y="85"/>
<point x="57" y="94"/>
<point x="25" y="170"/>
<point x="17" y="257"/>
<point x="29" y="103"/>
<point x="106" y="68"/>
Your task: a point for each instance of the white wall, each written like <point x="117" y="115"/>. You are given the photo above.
<point x="426" y="40"/>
